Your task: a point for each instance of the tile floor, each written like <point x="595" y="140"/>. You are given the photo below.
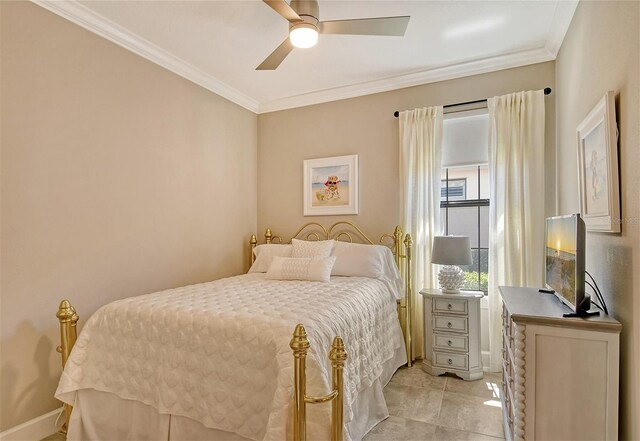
<point x="427" y="408"/>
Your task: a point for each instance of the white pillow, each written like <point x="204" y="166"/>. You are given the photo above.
<point x="307" y="248"/>
<point x="264" y="255"/>
<point x="375" y="261"/>
<point x="290" y="268"/>
<point x="359" y="260"/>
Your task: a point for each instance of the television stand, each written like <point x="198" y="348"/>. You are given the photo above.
<point x="583" y="309"/>
<point x="560" y="375"/>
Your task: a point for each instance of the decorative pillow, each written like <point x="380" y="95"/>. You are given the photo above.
<point x="307" y="248"/>
<point x="359" y="260"/>
<point x="290" y="268"/>
<point x="265" y="254"/>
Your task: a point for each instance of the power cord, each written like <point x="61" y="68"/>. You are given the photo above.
<point x="593" y="300"/>
<point x="598" y="293"/>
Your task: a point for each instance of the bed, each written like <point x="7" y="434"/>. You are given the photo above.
<point x="214" y="361"/>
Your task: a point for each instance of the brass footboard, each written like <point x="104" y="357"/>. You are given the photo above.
<point x="300" y="345"/>
<point x="68" y="334"/>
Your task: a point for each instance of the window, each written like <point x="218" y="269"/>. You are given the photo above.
<point x="454" y="189"/>
<point x="464" y="198"/>
<point x="469" y="216"/>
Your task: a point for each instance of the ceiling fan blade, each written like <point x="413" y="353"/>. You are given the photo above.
<point x="283" y="8"/>
<point x="394" y="26"/>
<point x="273" y="61"/>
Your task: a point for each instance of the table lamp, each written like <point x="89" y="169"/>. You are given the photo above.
<point x="451" y="251"/>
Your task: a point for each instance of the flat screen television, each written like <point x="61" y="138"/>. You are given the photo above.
<point x="565" y="250"/>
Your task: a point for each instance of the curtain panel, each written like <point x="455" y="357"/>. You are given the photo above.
<point x="420" y="174"/>
<point x="516" y="213"/>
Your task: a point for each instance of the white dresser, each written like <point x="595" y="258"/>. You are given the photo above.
<point x="452" y="333"/>
<point x="560" y="375"/>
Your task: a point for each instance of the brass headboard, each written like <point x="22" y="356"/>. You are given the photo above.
<point x="399" y="243"/>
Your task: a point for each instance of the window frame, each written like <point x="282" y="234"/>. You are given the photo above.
<point x="446" y="204"/>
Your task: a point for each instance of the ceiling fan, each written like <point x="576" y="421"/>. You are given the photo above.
<point x="304" y="26"/>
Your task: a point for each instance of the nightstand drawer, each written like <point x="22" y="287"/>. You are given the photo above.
<point x="451" y="361"/>
<point x="451" y="342"/>
<point x="451" y="324"/>
<point x="450" y="306"/>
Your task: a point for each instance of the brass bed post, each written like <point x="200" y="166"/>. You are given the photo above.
<point x="397" y="253"/>
<point x="253" y="242"/>
<point x="68" y="319"/>
<point x="268" y="237"/>
<point x="408" y="244"/>
<point x="300" y="345"/>
<point x="403" y="260"/>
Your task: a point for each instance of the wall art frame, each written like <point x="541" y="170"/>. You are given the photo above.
<point x="330" y="186"/>
<point x="598" y="180"/>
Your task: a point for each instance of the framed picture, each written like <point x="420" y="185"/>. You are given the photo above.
<point x="598" y="167"/>
<point x="331" y="186"/>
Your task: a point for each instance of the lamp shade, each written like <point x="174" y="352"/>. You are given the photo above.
<point x="451" y="250"/>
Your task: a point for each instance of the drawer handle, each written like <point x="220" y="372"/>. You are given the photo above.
<point x="449" y="306"/>
<point x="450" y="361"/>
<point x="449" y="342"/>
<point x="449" y="325"/>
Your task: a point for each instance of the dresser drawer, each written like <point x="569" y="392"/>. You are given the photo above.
<point x="451" y="342"/>
<point x="450" y="324"/>
<point x="450" y="306"/>
<point x="451" y="361"/>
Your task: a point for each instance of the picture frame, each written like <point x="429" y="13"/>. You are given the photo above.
<point x="330" y="186"/>
<point x="599" y="186"/>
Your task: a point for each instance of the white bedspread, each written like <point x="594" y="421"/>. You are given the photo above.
<point x="219" y="352"/>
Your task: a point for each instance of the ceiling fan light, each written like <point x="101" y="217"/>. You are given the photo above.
<point x="303" y="35"/>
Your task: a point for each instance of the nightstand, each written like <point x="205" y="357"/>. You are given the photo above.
<point x="452" y="333"/>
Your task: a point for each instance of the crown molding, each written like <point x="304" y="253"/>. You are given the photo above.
<point x="414" y="79"/>
<point x="96" y="23"/>
<point x="560" y="25"/>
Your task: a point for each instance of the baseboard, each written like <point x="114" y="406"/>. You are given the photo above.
<point x="35" y="429"/>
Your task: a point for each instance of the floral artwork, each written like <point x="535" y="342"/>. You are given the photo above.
<point x="598" y="168"/>
<point x="595" y="172"/>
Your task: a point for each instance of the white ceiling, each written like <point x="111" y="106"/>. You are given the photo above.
<point x="218" y="44"/>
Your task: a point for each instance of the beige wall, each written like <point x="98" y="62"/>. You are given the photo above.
<point x="366" y="126"/>
<point x="601" y="53"/>
<point x="118" y="178"/>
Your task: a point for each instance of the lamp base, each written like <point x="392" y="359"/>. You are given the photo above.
<point x="451" y="278"/>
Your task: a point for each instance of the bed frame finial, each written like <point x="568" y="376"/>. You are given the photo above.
<point x="253" y="242"/>
<point x="268" y="236"/>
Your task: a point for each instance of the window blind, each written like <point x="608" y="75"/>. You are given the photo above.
<point x="465" y="138"/>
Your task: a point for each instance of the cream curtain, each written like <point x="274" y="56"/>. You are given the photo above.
<point x="516" y="213"/>
<point x="420" y="173"/>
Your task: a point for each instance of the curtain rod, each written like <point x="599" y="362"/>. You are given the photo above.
<point x="547" y="91"/>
